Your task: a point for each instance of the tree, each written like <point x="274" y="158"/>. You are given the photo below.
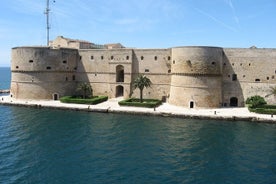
<point x="272" y="91"/>
<point x="86" y="89"/>
<point x="141" y="82"/>
<point x="255" y="101"/>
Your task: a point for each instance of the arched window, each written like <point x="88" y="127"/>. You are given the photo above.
<point x="120" y="74"/>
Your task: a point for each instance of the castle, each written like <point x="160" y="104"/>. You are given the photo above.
<point x="192" y="77"/>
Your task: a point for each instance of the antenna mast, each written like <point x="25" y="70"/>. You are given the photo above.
<point x="47" y="13"/>
<point x="47" y="20"/>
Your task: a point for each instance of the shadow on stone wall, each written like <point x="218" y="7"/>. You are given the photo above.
<point x="232" y="94"/>
<point x="81" y="76"/>
<point x="135" y="71"/>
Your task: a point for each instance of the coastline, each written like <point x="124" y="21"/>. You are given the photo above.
<point x="166" y="110"/>
<point x="4" y="91"/>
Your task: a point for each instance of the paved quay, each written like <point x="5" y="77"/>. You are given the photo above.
<point x="164" y="110"/>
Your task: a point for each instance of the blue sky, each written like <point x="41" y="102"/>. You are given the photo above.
<point x="140" y="23"/>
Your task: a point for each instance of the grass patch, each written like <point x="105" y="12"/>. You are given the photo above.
<point x="135" y="102"/>
<point x="77" y="100"/>
<point x="264" y="109"/>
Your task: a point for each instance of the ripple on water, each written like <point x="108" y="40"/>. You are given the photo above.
<point x="53" y="146"/>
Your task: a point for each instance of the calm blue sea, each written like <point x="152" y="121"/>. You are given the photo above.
<point x="54" y="146"/>
<point x="5" y="78"/>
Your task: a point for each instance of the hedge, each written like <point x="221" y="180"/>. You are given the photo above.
<point x="263" y="110"/>
<point x="94" y="100"/>
<point x="149" y="103"/>
<point x="267" y="106"/>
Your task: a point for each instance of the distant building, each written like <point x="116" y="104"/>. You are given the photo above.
<point x="63" y="42"/>
<point x="207" y="77"/>
<point x="114" y="46"/>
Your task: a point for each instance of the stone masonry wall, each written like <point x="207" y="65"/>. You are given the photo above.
<point x="185" y="76"/>
<point x="196" y="77"/>
<point x="255" y="71"/>
<point x="41" y="72"/>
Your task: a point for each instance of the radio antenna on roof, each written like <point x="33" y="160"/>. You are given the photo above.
<point x="47" y="12"/>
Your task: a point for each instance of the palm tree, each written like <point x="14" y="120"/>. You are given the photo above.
<point x="272" y="91"/>
<point x="86" y="89"/>
<point x="141" y="82"/>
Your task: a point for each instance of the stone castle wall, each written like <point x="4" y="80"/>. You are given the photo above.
<point x="196" y="77"/>
<point x="255" y="73"/>
<point x="183" y="76"/>
<point x="42" y="73"/>
<point x="99" y="67"/>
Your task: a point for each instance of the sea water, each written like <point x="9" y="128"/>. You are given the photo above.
<point x="5" y="78"/>
<point x="54" y="146"/>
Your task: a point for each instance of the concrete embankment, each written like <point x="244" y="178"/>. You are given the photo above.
<point x="165" y="110"/>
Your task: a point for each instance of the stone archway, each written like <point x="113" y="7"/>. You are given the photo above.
<point x="120" y="74"/>
<point x="119" y="91"/>
<point x="233" y="102"/>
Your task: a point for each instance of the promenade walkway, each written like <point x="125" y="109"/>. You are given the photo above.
<point x="164" y="110"/>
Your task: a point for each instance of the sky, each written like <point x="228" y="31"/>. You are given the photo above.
<point x="139" y="23"/>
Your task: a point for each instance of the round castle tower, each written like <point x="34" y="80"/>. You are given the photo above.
<point x="196" y="77"/>
<point x="42" y="72"/>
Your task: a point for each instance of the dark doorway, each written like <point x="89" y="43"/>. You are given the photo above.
<point x="234" y="102"/>
<point x="55" y="96"/>
<point x="192" y="104"/>
<point x="119" y="91"/>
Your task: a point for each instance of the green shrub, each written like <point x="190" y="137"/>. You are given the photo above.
<point x="268" y="106"/>
<point x="150" y="103"/>
<point x="263" y="110"/>
<point x="255" y="101"/>
<point x="94" y="100"/>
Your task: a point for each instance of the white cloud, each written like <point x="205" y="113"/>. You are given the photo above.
<point x="235" y="17"/>
<point x="221" y="23"/>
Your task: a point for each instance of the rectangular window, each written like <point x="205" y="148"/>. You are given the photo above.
<point x="146" y="70"/>
<point x="234" y="77"/>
